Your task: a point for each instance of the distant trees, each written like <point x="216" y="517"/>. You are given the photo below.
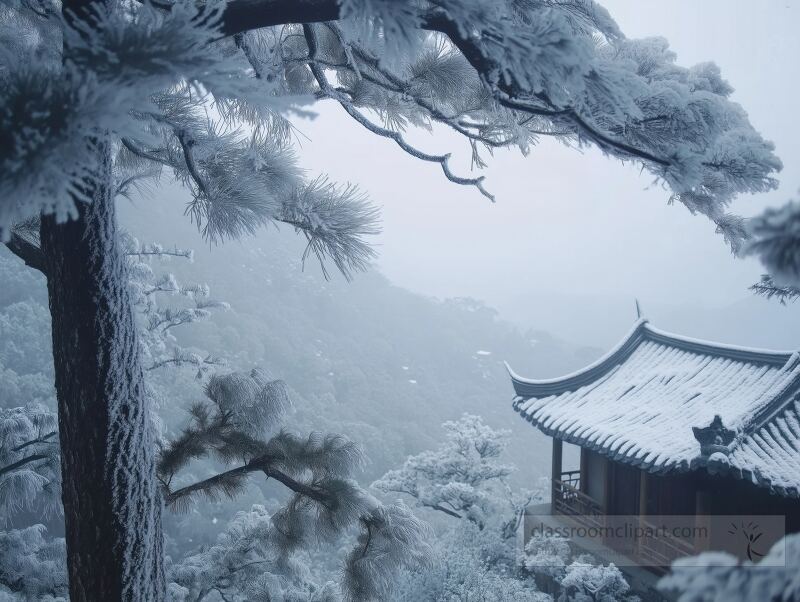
<point x="97" y="94"/>
<point x="478" y="557"/>
<point x="465" y="479"/>
<point x="579" y="577"/>
<point x="585" y="581"/>
<point x="469" y="564"/>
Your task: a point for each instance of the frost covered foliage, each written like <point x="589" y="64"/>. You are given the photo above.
<point x="33" y="567"/>
<point x="30" y="472"/>
<point x="719" y="577"/>
<point x="584" y="581"/>
<point x="160" y="348"/>
<point x="463" y="478"/>
<point x="238" y="425"/>
<point x="243" y="564"/>
<point x="547" y="556"/>
<point x="775" y="240"/>
<point x="172" y="88"/>
<point x="507" y="73"/>
<point x="579" y="578"/>
<point x="469" y="565"/>
<point x="152" y="79"/>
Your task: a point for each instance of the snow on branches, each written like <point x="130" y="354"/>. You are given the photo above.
<point x="156" y="322"/>
<point x="203" y="91"/>
<point x="170" y="91"/>
<point x="115" y="57"/>
<point x="237" y="426"/>
<point x="525" y="70"/>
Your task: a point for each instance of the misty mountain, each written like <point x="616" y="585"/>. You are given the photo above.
<point x="365" y="358"/>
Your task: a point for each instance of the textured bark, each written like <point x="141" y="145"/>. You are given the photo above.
<point x="112" y="506"/>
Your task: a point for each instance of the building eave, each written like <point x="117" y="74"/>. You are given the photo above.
<point x="642" y="330"/>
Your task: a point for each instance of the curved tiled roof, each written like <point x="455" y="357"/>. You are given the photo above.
<point x="640" y="402"/>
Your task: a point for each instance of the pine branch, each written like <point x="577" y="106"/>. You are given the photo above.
<point x="262" y="464"/>
<point x="186" y="145"/>
<point x="397" y="85"/>
<point x="329" y="92"/>
<point x="245" y="15"/>
<point x="175" y="253"/>
<point x="42" y="439"/>
<point x="441" y="508"/>
<point x="767" y="288"/>
<point x="221" y="480"/>
<point x="22" y="462"/>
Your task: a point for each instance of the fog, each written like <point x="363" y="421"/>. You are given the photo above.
<point x="574" y="237"/>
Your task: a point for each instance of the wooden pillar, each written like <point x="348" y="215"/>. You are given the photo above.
<point x="555" y="470"/>
<point x="643" y="494"/>
<point x="702" y="520"/>
<point x="584" y="481"/>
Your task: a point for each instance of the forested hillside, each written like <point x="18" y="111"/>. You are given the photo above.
<point x="363" y="358"/>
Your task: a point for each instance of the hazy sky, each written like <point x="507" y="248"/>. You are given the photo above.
<point x="571" y="224"/>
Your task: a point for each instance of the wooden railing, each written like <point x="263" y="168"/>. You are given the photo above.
<point x="570" y="500"/>
<point x="662" y="550"/>
<point x="572" y="478"/>
<point x="651" y="551"/>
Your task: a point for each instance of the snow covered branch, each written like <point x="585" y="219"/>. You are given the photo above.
<point x="346" y="103"/>
<point x="499" y="74"/>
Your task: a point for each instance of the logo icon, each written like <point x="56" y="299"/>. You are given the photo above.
<point x="751" y="533"/>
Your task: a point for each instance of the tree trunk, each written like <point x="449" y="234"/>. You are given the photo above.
<point x="112" y="505"/>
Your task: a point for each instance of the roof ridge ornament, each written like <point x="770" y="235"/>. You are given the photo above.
<point x="638" y="309"/>
<point x="714" y="438"/>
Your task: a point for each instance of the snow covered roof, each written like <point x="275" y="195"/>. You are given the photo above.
<point x="667" y="403"/>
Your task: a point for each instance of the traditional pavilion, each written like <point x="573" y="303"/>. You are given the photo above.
<point x="669" y="425"/>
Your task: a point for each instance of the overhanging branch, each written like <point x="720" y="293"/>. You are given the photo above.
<point x="244" y="15"/>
